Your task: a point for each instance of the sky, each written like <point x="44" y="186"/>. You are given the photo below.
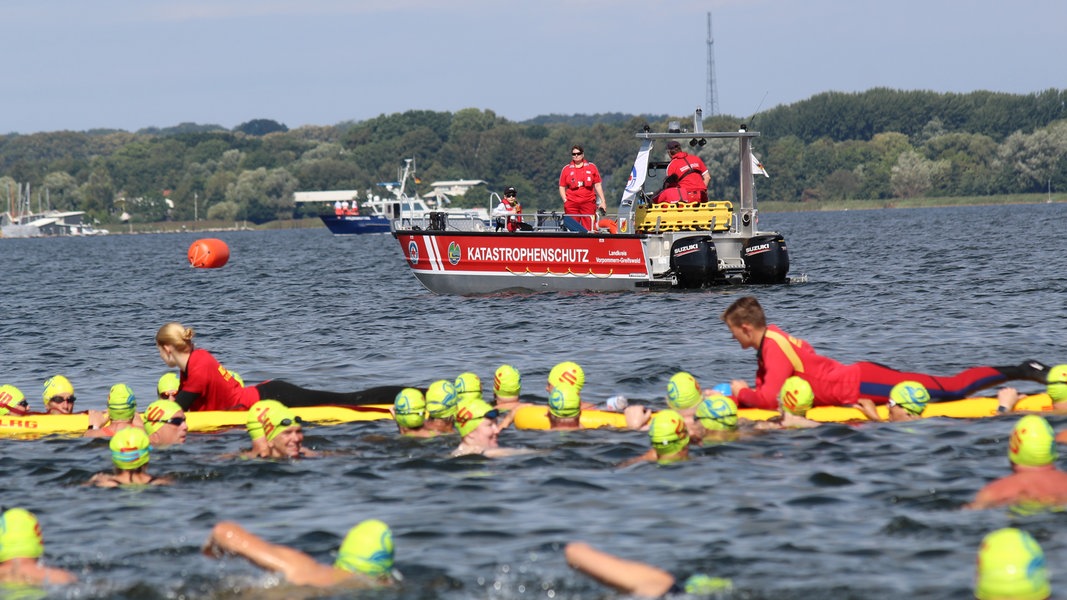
<point x="131" y="64"/>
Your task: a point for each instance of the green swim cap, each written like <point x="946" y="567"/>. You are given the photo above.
<point x="507" y="382"/>
<point x="1011" y="564"/>
<point x="276" y="418"/>
<point x="468" y="387"/>
<point x="12" y="398"/>
<point x="668" y="433"/>
<point x="121" y="403"/>
<point x="441" y="399"/>
<point x="1032" y="442"/>
<point x="565" y="402"/>
<point x="168" y="382"/>
<point x="717" y="413"/>
<point x="410" y="408"/>
<point x="796" y="396"/>
<point x="368" y="549"/>
<point x="683" y="391"/>
<point x="912" y="396"/>
<point x="1057" y="383"/>
<point x="130" y="448"/>
<point x="567" y="373"/>
<point x="469" y="415"/>
<point x="703" y="585"/>
<point x="55" y="386"/>
<point x="157" y="414"/>
<point x="256" y="417"/>
<point x="20" y="535"/>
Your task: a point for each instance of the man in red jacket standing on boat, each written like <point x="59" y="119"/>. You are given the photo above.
<point x="580" y="188"/>
<point x="782" y="356"/>
<point x="689" y="173"/>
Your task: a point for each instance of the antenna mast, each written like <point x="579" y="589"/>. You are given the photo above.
<point x="711" y="104"/>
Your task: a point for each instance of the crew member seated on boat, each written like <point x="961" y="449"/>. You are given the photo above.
<point x="508" y="214"/>
<point x="338" y="209"/>
<point x="688" y="174"/>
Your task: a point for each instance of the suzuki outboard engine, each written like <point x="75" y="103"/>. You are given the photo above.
<point x="694" y="261"/>
<point x="766" y="259"/>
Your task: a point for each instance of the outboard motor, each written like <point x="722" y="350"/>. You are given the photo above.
<point x="438" y="221"/>
<point x="694" y="261"/>
<point x="766" y="259"/>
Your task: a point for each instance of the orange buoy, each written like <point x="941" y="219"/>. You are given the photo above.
<point x="608" y="224"/>
<point x="208" y="253"/>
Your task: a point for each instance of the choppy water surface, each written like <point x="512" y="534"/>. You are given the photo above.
<point x="844" y="512"/>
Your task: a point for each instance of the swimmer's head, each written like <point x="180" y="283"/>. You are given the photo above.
<point x="167" y="386"/>
<point x="1011" y="564"/>
<point x="1032" y="442"/>
<point x="567" y="374"/>
<point x="796" y="396"/>
<point x="441" y="400"/>
<point x="276" y="418"/>
<point x="367" y="549"/>
<point x="704" y="585"/>
<point x="683" y="391"/>
<point x="130" y="448"/>
<point x="564" y="402"/>
<point x="717" y="413"/>
<point x="255" y="420"/>
<point x="20" y="535"/>
<point x="12" y="400"/>
<point x="507" y="382"/>
<point x="468" y="387"/>
<point x="912" y="396"/>
<point x="158" y="413"/>
<point x="121" y="403"/>
<point x="409" y="408"/>
<point x="1057" y="383"/>
<point x="667" y="433"/>
<point x="470" y="414"/>
<point x="54" y="386"/>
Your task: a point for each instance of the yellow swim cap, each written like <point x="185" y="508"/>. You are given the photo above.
<point x="468" y="387"/>
<point x="718" y="413"/>
<point x="1057" y="383"/>
<point x="912" y="396"/>
<point x="410" y="408"/>
<point x="470" y="413"/>
<point x="168" y="382"/>
<point x="121" y="403"/>
<point x="567" y="373"/>
<point x="254" y="423"/>
<point x="796" y="396"/>
<point x="507" y="382"/>
<point x="274" y="417"/>
<point x="683" y="391"/>
<point x="368" y="549"/>
<point x="20" y="535"/>
<point x="12" y="399"/>
<point x="158" y="413"/>
<point x="1011" y="564"/>
<point x="564" y="402"/>
<point x="130" y="448"/>
<point x="55" y="386"/>
<point x="668" y="433"/>
<point x="441" y="400"/>
<point x="1032" y="442"/>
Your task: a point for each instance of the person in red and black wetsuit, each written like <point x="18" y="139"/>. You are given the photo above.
<point x="207" y="385"/>
<point x="782" y="355"/>
<point x="689" y="173"/>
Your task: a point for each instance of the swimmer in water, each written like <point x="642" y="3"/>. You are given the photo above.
<point x="568" y="373"/>
<point x="1035" y="480"/>
<point x="476" y="421"/>
<point x="564" y="408"/>
<point x="121" y="413"/>
<point x="364" y="560"/>
<point x="58" y="396"/>
<point x="207" y="385"/>
<point x="637" y="578"/>
<point x="507" y="386"/>
<point x="441" y="407"/>
<point x="409" y="412"/>
<point x="668" y="435"/>
<point x="907" y="401"/>
<point x="282" y="430"/>
<point x="468" y="387"/>
<point x="21" y="547"/>
<point x="130" y="452"/>
<point x="12" y="401"/>
<point x="684" y="394"/>
<point x="795" y="399"/>
<point x="1011" y="565"/>
<point x="165" y="423"/>
<point x="168" y="385"/>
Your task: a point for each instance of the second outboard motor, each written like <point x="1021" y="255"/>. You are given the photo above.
<point x="694" y="261"/>
<point x="766" y="259"/>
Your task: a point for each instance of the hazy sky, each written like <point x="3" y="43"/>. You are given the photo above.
<point x="129" y="64"/>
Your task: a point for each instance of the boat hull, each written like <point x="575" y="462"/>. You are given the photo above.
<point x="356" y="224"/>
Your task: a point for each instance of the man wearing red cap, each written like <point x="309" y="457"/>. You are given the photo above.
<point x="689" y="173"/>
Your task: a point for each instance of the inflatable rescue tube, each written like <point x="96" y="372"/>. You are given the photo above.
<point x="208" y="253"/>
<point x="608" y="224"/>
<point x="210" y="420"/>
<point x="536" y="417"/>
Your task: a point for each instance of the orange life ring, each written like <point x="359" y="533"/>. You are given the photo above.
<point x="608" y="224"/>
<point x="208" y="253"/>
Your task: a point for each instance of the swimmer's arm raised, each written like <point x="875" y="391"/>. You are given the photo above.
<point x="625" y="575"/>
<point x="297" y="567"/>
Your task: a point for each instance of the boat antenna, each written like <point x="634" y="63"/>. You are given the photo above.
<point x="758" y="107"/>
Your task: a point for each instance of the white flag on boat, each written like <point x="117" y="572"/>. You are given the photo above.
<point x="637" y="174"/>
<point x="757" y="166"/>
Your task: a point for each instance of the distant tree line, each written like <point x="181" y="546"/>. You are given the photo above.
<point x="878" y="144"/>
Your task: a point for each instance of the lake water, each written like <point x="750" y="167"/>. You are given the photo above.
<point x="837" y="512"/>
